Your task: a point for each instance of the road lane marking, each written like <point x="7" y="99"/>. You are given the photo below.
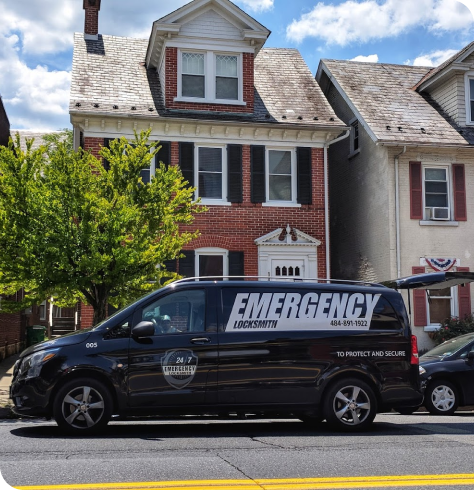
<point x="277" y="484"/>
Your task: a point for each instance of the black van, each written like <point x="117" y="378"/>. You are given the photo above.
<point x="335" y="351"/>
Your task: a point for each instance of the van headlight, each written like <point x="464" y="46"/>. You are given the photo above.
<point x="422" y="370"/>
<point x="32" y="364"/>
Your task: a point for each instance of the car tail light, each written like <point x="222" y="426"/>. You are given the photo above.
<point x="414" y="351"/>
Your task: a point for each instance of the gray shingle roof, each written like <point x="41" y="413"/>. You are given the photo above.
<point x="28" y="134"/>
<point x="384" y="97"/>
<point x="111" y="72"/>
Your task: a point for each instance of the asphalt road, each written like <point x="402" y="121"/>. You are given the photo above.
<point x="250" y="451"/>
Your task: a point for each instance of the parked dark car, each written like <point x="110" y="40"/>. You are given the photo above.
<point x="447" y="373"/>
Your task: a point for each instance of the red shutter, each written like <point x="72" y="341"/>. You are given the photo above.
<point x="416" y="191"/>
<point x="459" y="187"/>
<point x="464" y="296"/>
<point x="420" y="317"/>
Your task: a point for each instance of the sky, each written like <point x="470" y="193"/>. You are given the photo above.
<point x="36" y="38"/>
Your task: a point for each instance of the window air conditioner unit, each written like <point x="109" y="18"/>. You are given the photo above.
<point x="440" y="214"/>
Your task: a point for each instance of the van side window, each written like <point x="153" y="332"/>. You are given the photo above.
<point x="120" y="331"/>
<point x="176" y="313"/>
<point x="384" y="317"/>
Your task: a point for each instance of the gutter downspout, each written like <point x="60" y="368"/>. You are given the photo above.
<point x="397" y="211"/>
<point x="326" y="198"/>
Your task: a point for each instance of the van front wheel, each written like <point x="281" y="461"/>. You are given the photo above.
<point x="82" y="406"/>
<point x="350" y="405"/>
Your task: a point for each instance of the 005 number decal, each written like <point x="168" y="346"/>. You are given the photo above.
<point x="91" y="345"/>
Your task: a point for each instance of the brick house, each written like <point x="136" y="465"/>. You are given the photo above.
<point x="249" y="127"/>
<point x="12" y="325"/>
<point x="402" y="185"/>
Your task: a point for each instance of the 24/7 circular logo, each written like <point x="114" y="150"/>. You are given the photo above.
<point x="179" y="367"/>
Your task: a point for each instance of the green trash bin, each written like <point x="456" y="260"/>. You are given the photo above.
<point x="35" y="334"/>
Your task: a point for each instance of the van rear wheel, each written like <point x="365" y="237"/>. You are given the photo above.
<point x="82" y="406"/>
<point x="350" y="405"/>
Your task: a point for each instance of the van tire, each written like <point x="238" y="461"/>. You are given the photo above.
<point x="350" y="405"/>
<point x="82" y="406"/>
<point x="441" y="397"/>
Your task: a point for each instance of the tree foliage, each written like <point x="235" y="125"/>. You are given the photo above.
<point x="71" y="230"/>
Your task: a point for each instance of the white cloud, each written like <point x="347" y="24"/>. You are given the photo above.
<point x="369" y="20"/>
<point x="432" y="59"/>
<point x="257" y="5"/>
<point x="371" y="58"/>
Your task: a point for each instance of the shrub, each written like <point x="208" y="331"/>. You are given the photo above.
<point x="453" y="327"/>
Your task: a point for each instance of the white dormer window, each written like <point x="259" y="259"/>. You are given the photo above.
<point x="210" y="77"/>
<point x="227" y="77"/>
<point x="193" y="75"/>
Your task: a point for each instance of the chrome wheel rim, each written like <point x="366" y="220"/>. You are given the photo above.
<point x="443" y="398"/>
<point x="83" y="407"/>
<point x="351" y="405"/>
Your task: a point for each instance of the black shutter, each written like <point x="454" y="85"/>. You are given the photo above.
<point x="234" y="173"/>
<point x="186" y="161"/>
<point x="257" y="170"/>
<point x="186" y="264"/>
<point x="304" y="176"/>
<point x="236" y="264"/>
<point x="170" y="265"/>
<point x="106" y="163"/>
<point x="164" y="155"/>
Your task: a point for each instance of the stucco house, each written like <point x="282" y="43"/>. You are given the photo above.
<point x="249" y="127"/>
<point x="402" y="184"/>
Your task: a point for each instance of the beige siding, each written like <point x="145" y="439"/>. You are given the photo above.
<point x="440" y="240"/>
<point x="450" y="96"/>
<point x="211" y="24"/>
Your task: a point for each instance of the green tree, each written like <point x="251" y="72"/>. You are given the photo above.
<point x="73" y="231"/>
<point x="64" y="135"/>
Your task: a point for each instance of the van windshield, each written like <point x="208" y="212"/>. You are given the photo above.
<point x="450" y="347"/>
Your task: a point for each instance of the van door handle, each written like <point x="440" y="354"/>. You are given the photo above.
<point x="200" y="340"/>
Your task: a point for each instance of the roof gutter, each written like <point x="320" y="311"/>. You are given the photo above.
<point x="397" y="210"/>
<point x="326" y="198"/>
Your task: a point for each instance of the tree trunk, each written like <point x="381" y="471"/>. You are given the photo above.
<point x="100" y="305"/>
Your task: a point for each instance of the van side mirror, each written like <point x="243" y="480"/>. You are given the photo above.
<point x="470" y="356"/>
<point x="143" y="329"/>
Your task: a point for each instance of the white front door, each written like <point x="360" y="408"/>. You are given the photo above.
<point x="288" y="269"/>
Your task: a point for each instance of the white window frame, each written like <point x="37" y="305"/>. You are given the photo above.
<point x="294" y="190"/>
<point x="215" y="251"/>
<point x="354" y="124"/>
<point x="449" y="191"/>
<point x="454" y="306"/>
<point x="210" y="78"/>
<point x="152" y="167"/>
<point x="223" y="201"/>
<point x="467" y="90"/>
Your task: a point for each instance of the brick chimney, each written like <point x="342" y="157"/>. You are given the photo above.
<point x="91" y="25"/>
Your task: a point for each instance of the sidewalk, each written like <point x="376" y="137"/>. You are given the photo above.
<point x="6" y="374"/>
